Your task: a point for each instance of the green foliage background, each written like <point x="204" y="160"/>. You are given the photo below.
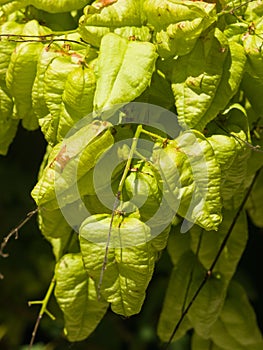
<point x="202" y="61"/>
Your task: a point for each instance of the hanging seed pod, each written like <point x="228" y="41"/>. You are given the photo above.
<point x="191" y="178"/>
<point x="129" y="268"/>
<point x="142" y="188"/>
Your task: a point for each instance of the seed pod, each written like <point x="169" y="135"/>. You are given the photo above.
<point x="20" y="76"/>
<point x="79" y="92"/>
<point x="191" y="178"/>
<point x="142" y="188"/>
<point x="70" y="163"/>
<point x="129" y="269"/>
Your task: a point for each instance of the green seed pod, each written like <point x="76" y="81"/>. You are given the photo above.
<point x="20" y="76"/>
<point x="79" y="92"/>
<point x="170" y="160"/>
<point x="129" y="268"/>
<point x="191" y="179"/>
<point x="142" y="188"/>
<point x="70" y="163"/>
<point x="38" y="91"/>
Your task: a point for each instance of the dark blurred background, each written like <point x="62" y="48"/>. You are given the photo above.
<point x="28" y="271"/>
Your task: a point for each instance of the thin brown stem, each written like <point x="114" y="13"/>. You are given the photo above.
<point x="14" y="232"/>
<point x="38" y="38"/>
<point x="232" y="10"/>
<point x="33" y="337"/>
<point x="249" y="145"/>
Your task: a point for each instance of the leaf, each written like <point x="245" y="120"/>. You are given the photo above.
<point x="254" y="203"/>
<point x="117" y="82"/>
<point x="253" y="88"/>
<point x="211" y="241"/>
<point x="69" y="163"/>
<point x="8" y="125"/>
<point x="204" y="81"/>
<point x="65" y="21"/>
<point x="53" y="224"/>
<point x="235" y="31"/>
<point x="65" y="243"/>
<point x="254" y="10"/>
<point x="159" y="241"/>
<point x="57" y="230"/>
<point x="77" y="298"/>
<point x="208" y="304"/>
<point x="175" y="298"/>
<point x="206" y="245"/>
<point x="252" y="42"/>
<point x="236" y="328"/>
<point x="178" y="24"/>
<point x="124" y="17"/>
<point x="9" y="130"/>
<point x="130" y="263"/>
<point x="178" y="244"/>
<point x="199" y="343"/>
<point x="229" y="139"/>
<point x="255" y="161"/>
<point x="186" y="277"/>
<point x="8" y="7"/>
<point x="159" y="92"/>
<point x="191" y="178"/>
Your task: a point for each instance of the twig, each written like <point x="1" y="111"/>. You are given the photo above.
<point x="42" y="311"/>
<point x="249" y="145"/>
<point x="38" y="38"/>
<point x="210" y="270"/>
<point x="15" y="232"/>
<point x="232" y="10"/>
<point x="117" y="202"/>
<point x="46" y="299"/>
<point x="105" y="260"/>
<point x="239" y="6"/>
